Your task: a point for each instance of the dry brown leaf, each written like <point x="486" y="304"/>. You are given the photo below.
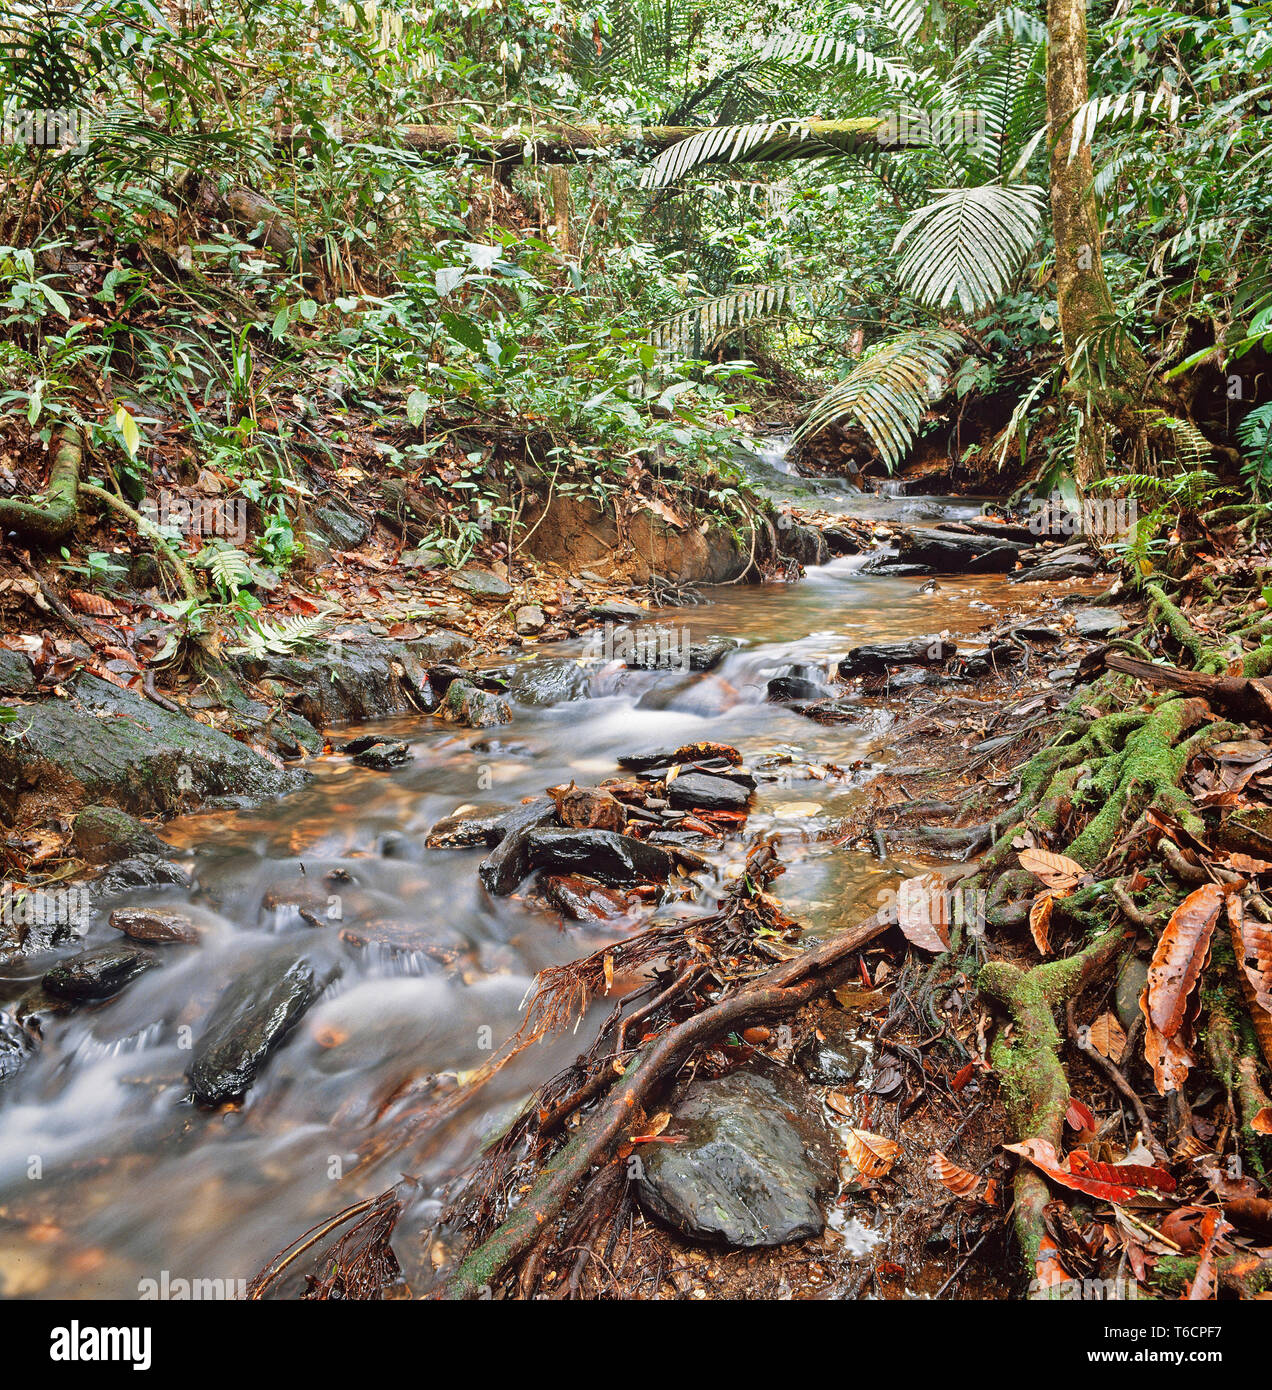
<point x="1261" y="1120"/>
<point x="958" y="1180"/>
<point x="1040" y="922"/>
<point x="1168" y="1000"/>
<point x="1107" y="1037"/>
<point x="1055" y="870"/>
<point x="871" y="1154"/>
<point x="84" y="602"/>
<point x="923" y="912"/>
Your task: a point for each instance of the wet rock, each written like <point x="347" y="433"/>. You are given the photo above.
<point x="1098" y="623"/>
<point x="841" y="542"/>
<point x="804" y="544"/>
<point x="150" y="924"/>
<point x="426" y="943"/>
<point x="343" y="529"/>
<point x="424" y="557"/>
<point x="599" y="854"/>
<point x="580" y="900"/>
<point x="504" y="868"/>
<point x="250" y="1020"/>
<point x="473" y="707"/>
<point x="468" y="829"/>
<point x="1073" y="567"/>
<point x="831" y="1057"/>
<point x="1131" y="980"/>
<point x="103" y="834"/>
<point x="710" y="652"/>
<point x="756" y="1163"/>
<point x="16" y="1045"/>
<point x="108" y="746"/>
<point x="878" y="656"/>
<point x="684" y="753"/>
<point x="141" y="871"/>
<point x="832" y="711"/>
<point x="17" y="677"/>
<point x="700" y="791"/>
<point x="589" y="808"/>
<point x="783" y="689"/>
<point x="530" y="620"/>
<point x="945" y="550"/>
<point x="542" y="684"/>
<point x="618" y="612"/>
<point x="383" y="755"/>
<point x="481" y="583"/>
<point x="98" y="974"/>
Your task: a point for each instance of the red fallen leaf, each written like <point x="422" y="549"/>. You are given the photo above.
<point x="963" y="1076"/>
<point x="1048" y="1271"/>
<point x="1103" y="1181"/>
<point x="1079" y="1117"/>
<point x="1183" y="1228"/>
<point x="1177" y="964"/>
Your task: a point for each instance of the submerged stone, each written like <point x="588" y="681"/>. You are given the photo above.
<point x="542" y="684"/>
<point x="98" y="974"/>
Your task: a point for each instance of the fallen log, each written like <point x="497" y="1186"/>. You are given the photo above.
<point x="1240" y="696"/>
<point x="566" y="143"/>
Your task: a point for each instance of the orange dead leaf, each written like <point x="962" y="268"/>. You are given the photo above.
<point x="871" y="1154"/>
<point x="1261" y="1121"/>
<point x="1107" y="1037"/>
<point x="959" y="1181"/>
<point x="94" y="604"/>
<point x="1040" y="922"/>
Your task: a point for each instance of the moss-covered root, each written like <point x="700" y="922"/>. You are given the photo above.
<point x="1203" y="657"/>
<point x="147" y="528"/>
<point x="50" y="522"/>
<point x="1027" y="1060"/>
<point x="1239" y="1072"/>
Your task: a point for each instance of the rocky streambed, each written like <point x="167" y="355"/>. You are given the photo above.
<point x="232" y="1032"/>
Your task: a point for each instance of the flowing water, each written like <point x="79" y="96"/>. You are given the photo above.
<point x="109" y="1177"/>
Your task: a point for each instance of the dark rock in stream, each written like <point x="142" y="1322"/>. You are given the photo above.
<point x="804" y="544"/>
<point x="98" y="974"/>
<point x="542" y="684"/>
<point x="702" y="792"/>
<point x="469" y="829"/>
<point x="141" y="871"/>
<point x="580" y="900"/>
<point x="832" y="711"/>
<point x="600" y="854"/>
<point x="149" y="924"/>
<point x="878" y="656"/>
<point x="250" y="1020"/>
<point x="783" y="689"/>
<point x="16" y="1045"/>
<point x="504" y="868"/>
<point x="104" y="834"/>
<point x="1070" y="567"/>
<point x="831" y="1056"/>
<point x="104" y="745"/>
<point x="756" y="1163"/>
<point x="1098" y="623"/>
<point x="383" y="755"/>
<point x="700" y="753"/>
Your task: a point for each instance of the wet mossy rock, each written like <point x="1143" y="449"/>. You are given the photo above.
<point x="474" y="707"/>
<point x="103" y="834"/>
<point x="110" y="747"/>
<point x="754" y="1167"/>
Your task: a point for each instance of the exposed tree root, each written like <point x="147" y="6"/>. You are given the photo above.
<point x="147" y="528"/>
<point x="48" y="523"/>
<point x="1035" y="1087"/>
<point x="780" y="991"/>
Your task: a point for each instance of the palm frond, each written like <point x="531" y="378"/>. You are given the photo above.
<point x="1132" y="105"/>
<point x="969" y="244"/>
<point x="888" y="392"/>
<point x="772" y="140"/>
<point x="697" y="329"/>
<point x="828" y="50"/>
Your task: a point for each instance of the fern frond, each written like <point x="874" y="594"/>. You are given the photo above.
<point x="228" y="567"/>
<point x="695" y="330"/>
<point x="969" y="244"/>
<point x="888" y="392"/>
<point x="264" y="638"/>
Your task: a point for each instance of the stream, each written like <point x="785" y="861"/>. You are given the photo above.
<point x="109" y="1178"/>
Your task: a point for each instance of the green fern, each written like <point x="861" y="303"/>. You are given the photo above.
<point x="888" y="392"/>
<point x="264" y="638"/>
<point x="228" y="567"/>
<point x="695" y="330"/>
<point x="1254" y="434"/>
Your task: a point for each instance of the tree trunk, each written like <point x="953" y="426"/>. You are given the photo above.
<point x="1082" y="292"/>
